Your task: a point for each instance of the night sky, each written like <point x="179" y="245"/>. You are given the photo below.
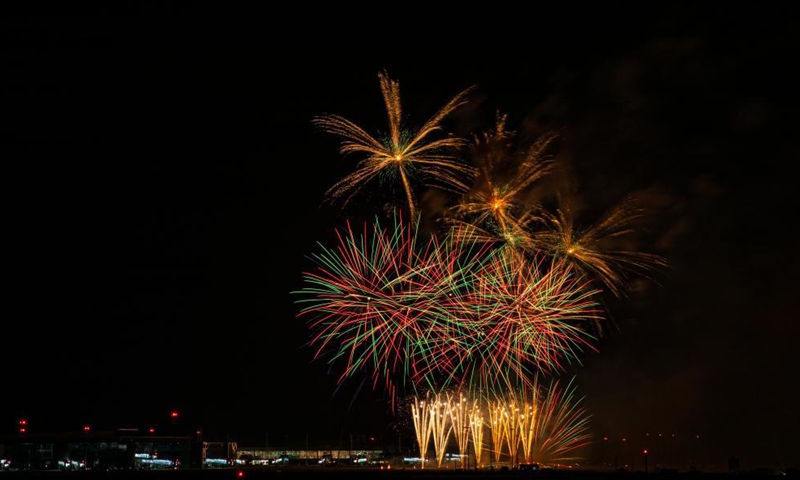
<point x="164" y="185"/>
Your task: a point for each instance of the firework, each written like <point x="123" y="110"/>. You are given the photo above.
<point x="422" y="412"/>
<point x="403" y="152"/>
<point x="441" y="427"/>
<point x="381" y="302"/>
<point x="588" y="248"/>
<point x="497" y="413"/>
<point x="497" y="206"/>
<point x="561" y="425"/>
<point x="519" y="317"/>
<point x="460" y="420"/>
<point x="511" y="425"/>
<point x="441" y="313"/>
<point x="546" y="424"/>
<point x="507" y="292"/>
<point x="476" y="429"/>
<point x="526" y="424"/>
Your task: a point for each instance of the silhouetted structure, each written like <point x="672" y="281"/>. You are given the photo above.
<point x="114" y="449"/>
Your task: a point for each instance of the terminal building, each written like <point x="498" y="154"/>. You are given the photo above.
<point x="137" y="449"/>
<point x="124" y="448"/>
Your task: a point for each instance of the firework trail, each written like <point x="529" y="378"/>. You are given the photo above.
<point x="422" y="412"/>
<point x="527" y="422"/>
<point x="561" y="426"/>
<point x="511" y="424"/>
<point x="460" y="420"/>
<point x="476" y="421"/>
<point x="441" y="428"/>
<point x="403" y="152"/>
<point x="497" y="411"/>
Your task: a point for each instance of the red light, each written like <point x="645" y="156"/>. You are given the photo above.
<point x="240" y="474"/>
<point x="645" y="452"/>
<point x="605" y="439"/>
<point x="23" y="422"/>
<point x="151" y="430"/>
<point x="199" y="433"/>
<point x="22" y="430"/>
<point x="86" y="428"/>
<point x="174" y="414"/>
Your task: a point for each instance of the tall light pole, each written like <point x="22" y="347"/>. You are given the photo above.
<point x="86" y="429"/>
<point x="645" y="460"/>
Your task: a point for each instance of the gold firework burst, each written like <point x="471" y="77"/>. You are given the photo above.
<point x="495" y="207"/>
<point x="591" y="248"/>
<point x="402" y="151"/>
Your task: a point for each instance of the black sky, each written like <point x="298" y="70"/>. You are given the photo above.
<point x="163" y="184"/>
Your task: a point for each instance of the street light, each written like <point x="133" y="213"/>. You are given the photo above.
<point x="645" y="460"/>
<point x="86" y="429"/>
